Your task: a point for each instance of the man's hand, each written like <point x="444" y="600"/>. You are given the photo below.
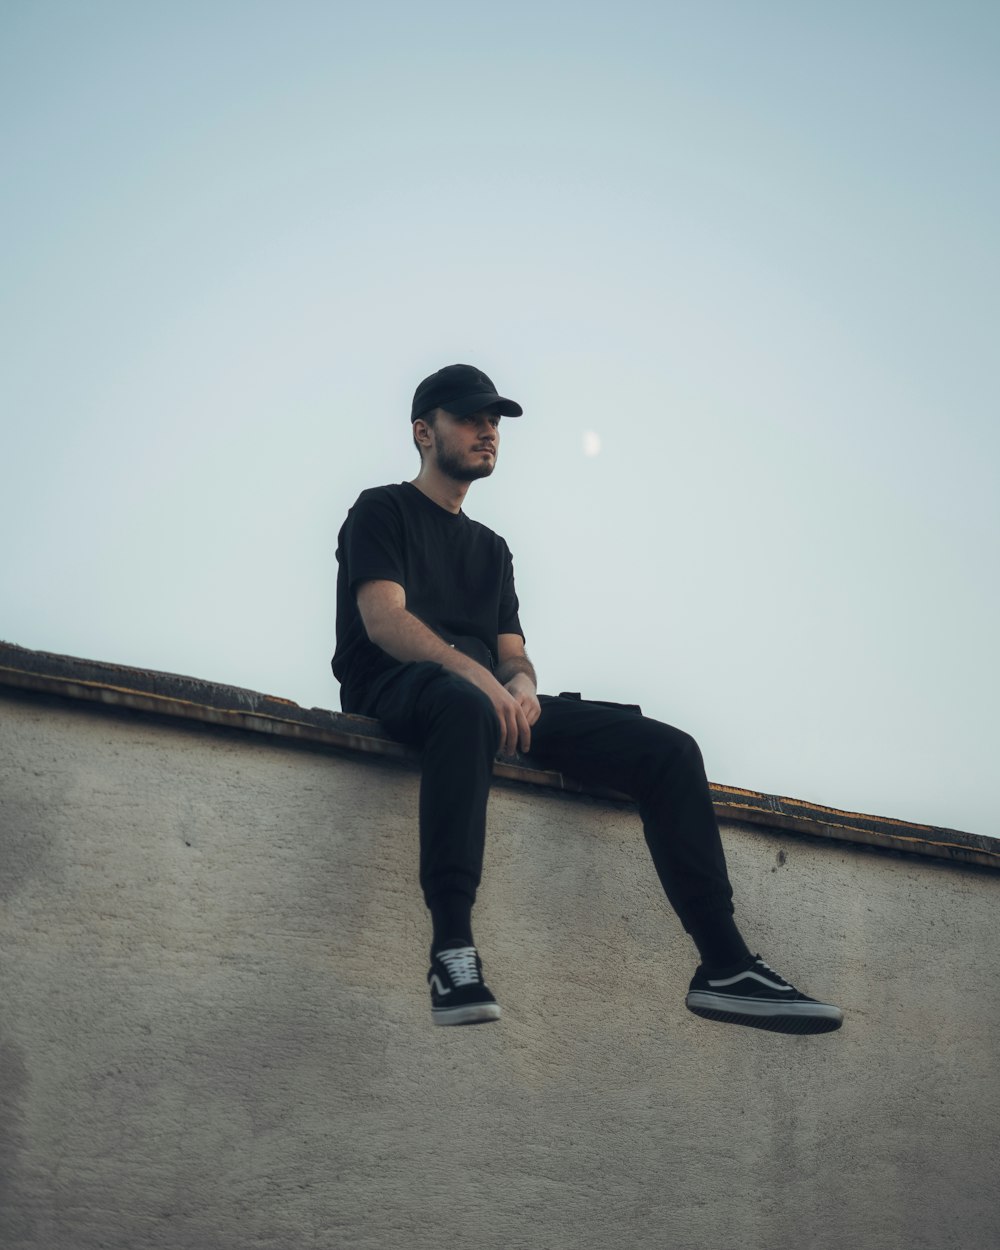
<point x="522" y="688"/>
<point x="516" y="674"/>
<point x="512" y="707"/>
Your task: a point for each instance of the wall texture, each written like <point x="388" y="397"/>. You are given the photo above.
<point x="215" y="1034"/>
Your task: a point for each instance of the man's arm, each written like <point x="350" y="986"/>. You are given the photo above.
<point x="517" y="674"/>
<point x="399" y="633"/>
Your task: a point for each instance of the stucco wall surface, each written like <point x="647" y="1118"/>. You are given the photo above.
<point x="215" y="1034"/>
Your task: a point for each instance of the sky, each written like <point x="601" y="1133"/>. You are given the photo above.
<point x="737" y="260"/>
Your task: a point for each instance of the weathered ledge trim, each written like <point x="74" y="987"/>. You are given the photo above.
<point x="168" y="694"/>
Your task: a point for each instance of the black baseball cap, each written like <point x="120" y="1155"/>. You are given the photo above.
<point x="461" y="389"/>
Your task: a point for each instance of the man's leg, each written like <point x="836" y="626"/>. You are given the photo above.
<point x="454" y="725"/>
<point x="661" y="769"/>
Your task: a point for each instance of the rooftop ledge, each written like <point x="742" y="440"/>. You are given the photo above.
<point x="114" y="686"/>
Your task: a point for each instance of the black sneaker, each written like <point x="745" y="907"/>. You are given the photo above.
<point x="752" y="993"/>
<point x="459" y="994"/>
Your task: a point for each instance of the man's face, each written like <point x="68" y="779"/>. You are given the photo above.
<point x="466" y="448"/>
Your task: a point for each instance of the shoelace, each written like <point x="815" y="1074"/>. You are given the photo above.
<point x="461" y="965"/>
<point x="759" y="963"/>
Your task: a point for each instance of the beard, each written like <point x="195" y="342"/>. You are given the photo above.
<point x="452" y="466"/>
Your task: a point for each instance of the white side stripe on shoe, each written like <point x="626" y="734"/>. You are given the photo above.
<point x="441" y="989"/>
<point x="771" y="985"/>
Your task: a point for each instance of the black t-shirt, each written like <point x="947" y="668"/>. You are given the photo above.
<point x="457" y="574"/>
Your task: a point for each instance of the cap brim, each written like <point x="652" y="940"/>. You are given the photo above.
<point x="486" y="401"/>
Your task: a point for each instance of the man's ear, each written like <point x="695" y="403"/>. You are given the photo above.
<point x="421" y="432"/>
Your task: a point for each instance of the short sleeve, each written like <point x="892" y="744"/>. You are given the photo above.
<point x="372" y="546"/>
<point x="508" y="621"/>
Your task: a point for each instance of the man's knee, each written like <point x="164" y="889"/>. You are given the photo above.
<point x="676" y="750"/>
<point x="461" y="708"/>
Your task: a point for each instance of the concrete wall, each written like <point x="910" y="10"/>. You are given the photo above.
<point x="215" y="1035"/>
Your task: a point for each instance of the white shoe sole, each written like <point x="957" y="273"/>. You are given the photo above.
<point x="471" y="1013"/>
<point x="758" y="1013"/>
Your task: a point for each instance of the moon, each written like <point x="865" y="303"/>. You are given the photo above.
<point x="591" y="444"/>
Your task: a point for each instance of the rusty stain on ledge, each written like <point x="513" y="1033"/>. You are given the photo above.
<point x="186" y="698"/>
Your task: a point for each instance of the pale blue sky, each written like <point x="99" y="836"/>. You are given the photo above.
<point x="752" y="246"/>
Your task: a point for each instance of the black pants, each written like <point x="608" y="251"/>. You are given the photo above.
<point x="660" y="767"/>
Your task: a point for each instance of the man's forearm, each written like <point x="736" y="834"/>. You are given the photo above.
<point x="516" y="664"/>
<point x="407" y="639"/>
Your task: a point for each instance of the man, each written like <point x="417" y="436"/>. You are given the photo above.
<point x="429" y="641"/>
